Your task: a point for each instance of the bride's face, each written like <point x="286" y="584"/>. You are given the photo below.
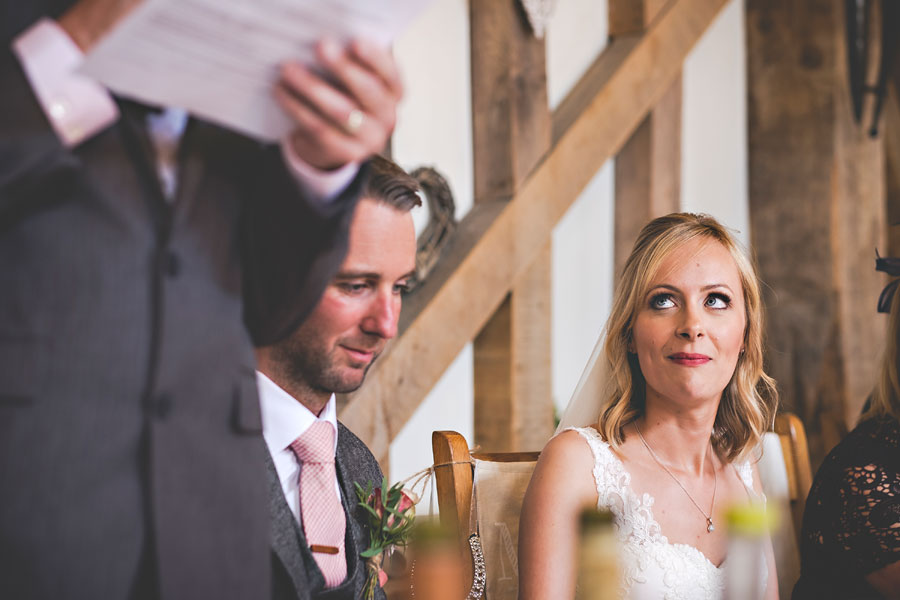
<point x="689" y="328"/>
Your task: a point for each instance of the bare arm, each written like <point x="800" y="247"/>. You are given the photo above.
<point x="562" y="484"/>
<point x="886" y="580"/>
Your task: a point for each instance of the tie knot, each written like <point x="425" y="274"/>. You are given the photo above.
<point x="316" y="444"/>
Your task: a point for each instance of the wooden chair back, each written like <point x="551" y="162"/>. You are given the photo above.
<point x="785" y="476"/>
<point x="454" y="474"/>
<point x="794" y="447"/>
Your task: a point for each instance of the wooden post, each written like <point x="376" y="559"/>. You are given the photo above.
<point x="632" y="16"/>
<point x="891" y="129"/>
<point x="648" y="172"/>
<point x="816" y="213"/>
<point x="511" y="133"/>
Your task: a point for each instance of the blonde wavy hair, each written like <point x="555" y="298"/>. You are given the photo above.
<point x="886" y="396"/>
<point x="749" y="401"/>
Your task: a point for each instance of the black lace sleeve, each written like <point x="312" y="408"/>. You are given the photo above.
<point x="851" y="525"/>
<point x="868" y="517"/>
<point x="856" y="500"/>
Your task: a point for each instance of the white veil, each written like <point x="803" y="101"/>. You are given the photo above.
<point x="584" y="405"/>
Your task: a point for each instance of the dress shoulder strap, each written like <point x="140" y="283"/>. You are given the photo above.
<point x="609" y="473"/>
<point x="745" y="472"/>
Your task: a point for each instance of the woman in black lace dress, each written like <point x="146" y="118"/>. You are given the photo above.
<point x="850" y="544"/>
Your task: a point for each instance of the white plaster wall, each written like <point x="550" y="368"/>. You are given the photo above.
<point x="434" y="123"/>
<point x="448" y="406"/>
<point x="714" y="123"/>
<point x="582" y="241"/>
<point x="576" y="35"/>
<point x="582" y="281"/>
<point x="434" y="127"/>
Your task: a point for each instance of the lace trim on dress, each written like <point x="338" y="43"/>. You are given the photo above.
<point x="685" y="572"/>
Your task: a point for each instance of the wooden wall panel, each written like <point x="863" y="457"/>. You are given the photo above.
<point x="648" y="173"/>
<point x="891" y="128"/>
<point x="816" y="212"/>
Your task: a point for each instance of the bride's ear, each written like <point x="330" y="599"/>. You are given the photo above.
<point x="630" y="345"/>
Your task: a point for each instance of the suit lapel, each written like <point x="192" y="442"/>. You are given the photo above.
<point x="350" y="469"/>
<point x="353" y="543"/>
<point x="286" y="535"/>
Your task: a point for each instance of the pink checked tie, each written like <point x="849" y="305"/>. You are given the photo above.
<point x="323" y="518"/>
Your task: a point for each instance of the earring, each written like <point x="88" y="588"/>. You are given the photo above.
<point x="742" y="350"/>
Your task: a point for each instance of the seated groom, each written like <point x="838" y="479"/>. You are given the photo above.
<point x="318" y="530"/>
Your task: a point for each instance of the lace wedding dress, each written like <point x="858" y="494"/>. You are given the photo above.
<point x="652" y="568"/>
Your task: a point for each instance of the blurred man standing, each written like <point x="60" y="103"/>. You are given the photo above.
<point x="134" y="246"/>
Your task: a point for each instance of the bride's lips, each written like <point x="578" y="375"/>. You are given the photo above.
<point x="688" y="359"/>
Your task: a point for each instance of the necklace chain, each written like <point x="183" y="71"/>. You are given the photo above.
<point x="709" y="522"/>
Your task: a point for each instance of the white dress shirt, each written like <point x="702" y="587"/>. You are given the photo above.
<point x="284" y="420"/>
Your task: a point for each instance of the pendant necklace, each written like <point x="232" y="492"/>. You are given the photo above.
<point x="709" y="523"/>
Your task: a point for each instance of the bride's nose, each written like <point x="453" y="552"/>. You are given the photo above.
<point x="691" y="326"/>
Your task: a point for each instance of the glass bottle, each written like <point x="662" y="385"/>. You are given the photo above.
<point x="745" y="566"/>
<point x="599" y="573"/>
<point x="436" y="571"/>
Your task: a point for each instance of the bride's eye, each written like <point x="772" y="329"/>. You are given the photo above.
<point x="718" y="301"/>
<point x="661" y="301"/>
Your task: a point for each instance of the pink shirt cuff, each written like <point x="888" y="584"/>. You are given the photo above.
<point x="322" y="186"/>
<point x="76" y="106"/>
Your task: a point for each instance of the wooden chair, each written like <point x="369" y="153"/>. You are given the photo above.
<point x="785" y="472"/>
<point x="785" y="476"/>
<point x="454" y="470"/>
<point x="794" y="447"/>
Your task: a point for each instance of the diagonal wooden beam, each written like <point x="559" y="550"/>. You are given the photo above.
<point x="633" y="16"/>
<point x="480" y="276"/>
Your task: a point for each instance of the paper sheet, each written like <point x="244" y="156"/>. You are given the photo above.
<point x="219" y="59"/>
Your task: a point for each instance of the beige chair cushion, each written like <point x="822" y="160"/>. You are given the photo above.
<point x="499" y="490"/>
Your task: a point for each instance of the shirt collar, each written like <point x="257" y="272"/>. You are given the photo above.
<point x="285" y="418"/>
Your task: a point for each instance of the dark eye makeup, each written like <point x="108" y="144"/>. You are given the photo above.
<point x="664" y="300"/>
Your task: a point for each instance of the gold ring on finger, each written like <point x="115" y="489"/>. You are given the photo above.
<point x="354" y="121"/>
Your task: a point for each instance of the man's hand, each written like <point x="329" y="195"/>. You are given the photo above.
<point x="349" y="117"/>
<point x="89" y="20"/>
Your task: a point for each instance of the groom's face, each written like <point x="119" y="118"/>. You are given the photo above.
<point x="358" y="312"/>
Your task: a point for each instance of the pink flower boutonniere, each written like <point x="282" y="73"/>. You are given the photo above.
<point x="390" y="519"/>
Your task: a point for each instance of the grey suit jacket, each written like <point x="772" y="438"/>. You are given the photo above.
<point x="295" y="575"/>
<point x="130" y="432"/>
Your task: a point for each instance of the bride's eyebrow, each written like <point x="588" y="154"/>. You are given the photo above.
<point x="713" y="286"/>
<point x="663" y="286"/>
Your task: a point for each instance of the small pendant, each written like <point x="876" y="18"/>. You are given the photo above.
<point x="709" y="526"/>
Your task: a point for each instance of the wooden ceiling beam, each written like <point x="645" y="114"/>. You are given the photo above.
<point x="471" y="287"/>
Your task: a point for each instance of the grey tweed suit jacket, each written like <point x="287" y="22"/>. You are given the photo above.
<point x="295" y="575"/>
<point x="130" y="432"/>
